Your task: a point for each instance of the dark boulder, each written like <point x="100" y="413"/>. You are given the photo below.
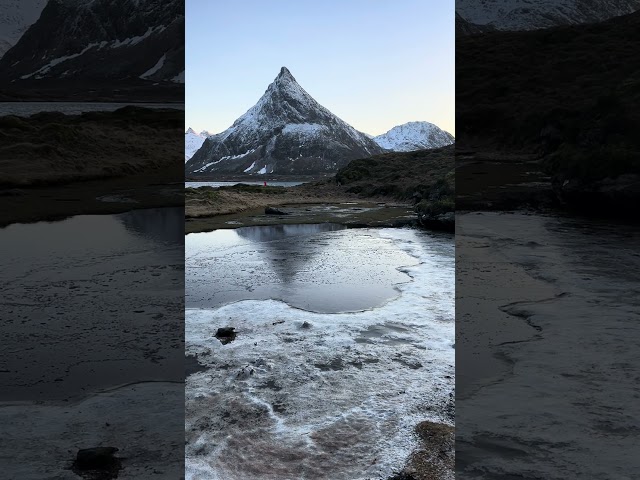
<point x="97" y="463"/>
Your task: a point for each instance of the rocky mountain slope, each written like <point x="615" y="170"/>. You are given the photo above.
<point x="464" y="27"/>
<point x="536" y="14"/>
<point x="414" y="136"/>
<point x="192" y="142"/>
<point x="15" y="17"/>
<point x="99" y="42"/>
<point x="286" y="132"/>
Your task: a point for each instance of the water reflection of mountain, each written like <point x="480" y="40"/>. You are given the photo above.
<point x="285" y="254"/>
<point x="161" y="225"/>
<point x="278" y="232"/>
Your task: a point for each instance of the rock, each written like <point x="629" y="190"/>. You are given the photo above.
<point x="274" y="211"/>
<point x="305" y="325"/>
<point x="402" y="476"/>
<point x="226" y="335"/>
<point x="97" y="458"/>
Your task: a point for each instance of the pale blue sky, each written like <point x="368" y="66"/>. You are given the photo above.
<point x="374" y="63"/>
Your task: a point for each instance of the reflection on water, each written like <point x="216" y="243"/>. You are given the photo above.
<point x="269" y="233"/>
<point x="101" y="294"/>
<point x="322" y="268"/>
<point x="163" y="225"/>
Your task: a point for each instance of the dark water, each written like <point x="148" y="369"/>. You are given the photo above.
<point x="229" y="184"/>
<point x="26" y="109"/>
<point x="321" y="268"/>
<point x="91" y="302"/>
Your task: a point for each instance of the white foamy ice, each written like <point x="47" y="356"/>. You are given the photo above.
<point x="338" y="399"/>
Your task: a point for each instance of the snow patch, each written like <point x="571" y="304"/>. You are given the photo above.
<point x="56" y="61"/>
<point x="155" y="68"/>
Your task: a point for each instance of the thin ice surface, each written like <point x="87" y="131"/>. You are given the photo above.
<point x="336" y="397"/>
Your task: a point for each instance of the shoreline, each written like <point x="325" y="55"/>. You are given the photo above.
<point x="94" y="197"/>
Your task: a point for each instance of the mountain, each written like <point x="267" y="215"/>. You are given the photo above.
<point x="463" y="27"/>
<point x="15" y="17"/>
<point x="536" y="14"/>
<point x="286" y="132"/>
<point x="414" y="136"/>
<point x="192" y="142"/>
<point x="99" y="42"/>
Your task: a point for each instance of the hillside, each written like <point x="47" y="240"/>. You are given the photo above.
<point x="50" y="148"/>
<point x="93" y="50"/>
<point x="572" y="100"/>
<point x="424" y="177"/>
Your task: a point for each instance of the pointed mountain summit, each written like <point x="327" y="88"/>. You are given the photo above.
<point x="286" y="132"/>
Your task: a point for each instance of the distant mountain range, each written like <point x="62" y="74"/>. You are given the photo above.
<point x="414" y="136"/>
<point x="288" y="132"/>
<point x="85" y="44"/>
<point x="192" y="142"/>
<point x="536" y="14"/>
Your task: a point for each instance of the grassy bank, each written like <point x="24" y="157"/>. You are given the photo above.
<point x="422" y="179"/>
<point x="53" y="148"/>
<point x="53" y="165"/>
<point x="572" y="101"/>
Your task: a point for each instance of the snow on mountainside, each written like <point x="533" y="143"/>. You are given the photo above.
<point x="414" y="136"/>
<point x="101" y="40"/>
<point x="286" y="132"/>
<point x="15" y="18"/>
<point x="535" y="14"/>
<point x="192" y="142"/>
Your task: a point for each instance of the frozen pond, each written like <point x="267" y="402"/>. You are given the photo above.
<point x="316" y="385"/>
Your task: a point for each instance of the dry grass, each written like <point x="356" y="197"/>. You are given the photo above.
<point x="50" y="148"/>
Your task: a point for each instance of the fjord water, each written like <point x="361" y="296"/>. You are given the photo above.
<point x="26" y="109"/>
<point x="245" y="182"/>
<point x="345" y="342"/>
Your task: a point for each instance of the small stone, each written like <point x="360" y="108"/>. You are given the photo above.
<point x="274" y="211"/>
<point x="226" y="335"/>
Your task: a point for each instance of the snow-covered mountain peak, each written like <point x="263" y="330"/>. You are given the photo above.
<point x="536" y="14"/>
<point x="192" y="142"/>
<point x="414" y="136"/>
<point x="287" y="131"/>
<point x="285" y="74"/>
